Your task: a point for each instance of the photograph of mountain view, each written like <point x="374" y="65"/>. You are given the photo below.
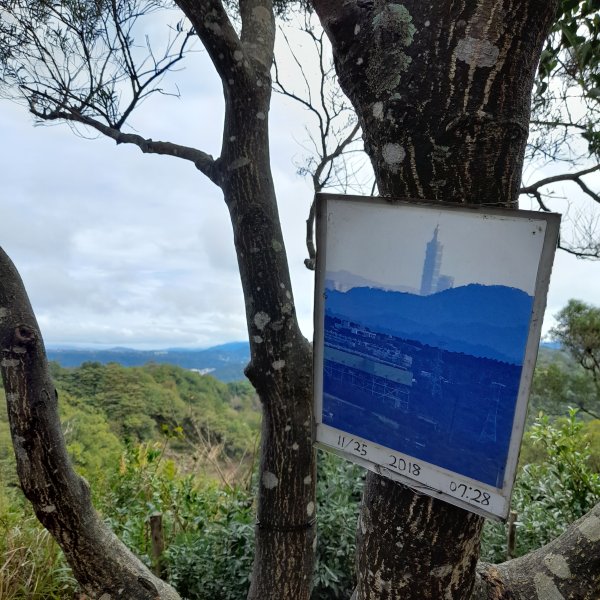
<point x="427" y="360"/>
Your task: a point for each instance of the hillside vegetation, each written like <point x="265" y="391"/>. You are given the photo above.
<point x="162" y="439"/>
<point x="106" y="407"/>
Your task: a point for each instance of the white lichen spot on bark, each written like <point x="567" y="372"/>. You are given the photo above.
<point x="288" y="295"/>
<point x="356" y="29"/>
<point x="476" y="52"/>
<point x="310" y="508"/>
<point x="261" y="116"/>
<point x="278" y="365"/>
<point x="232" y="138"/>
<point x="546" y="588"/>
<point x="238" y="163"/>
<point x="105" y="597"/>
<point x="50" y="508"/>
<point x="360" y="61"/>
<point x="427" y="23"/>
<point x="257" y="339"/>
<point x="558" y="565"/>
<point x="442" y="571"/>
<point x="378" y="110"/>
<point x="238" y="55"/>
<point x="286" y="309"/>
<point x="314" y="544"/>
<point x="307" y="480"/>
<point x="3" y="313"/>
<point x="214" y="27"/>
<point x="277" y="246"/>
<point x="9" y="362"/>
<point x="362" y="525"/>
<point x="261" y="319"/>
<point x="19" y="350"/>
<point x="295" y="446"/>
<point x="269" y="480"/>
<point x="590" y="528"/>
<point x="393" y="155"/>
<point x="287" y="428"/>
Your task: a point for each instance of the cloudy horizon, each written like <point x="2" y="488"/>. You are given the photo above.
<point x="117" y="248"/>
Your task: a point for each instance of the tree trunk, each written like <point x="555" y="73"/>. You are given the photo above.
<point x="102" y="565"/>
<point x="280" y="367"/>
<point x="442" y="91"/>
<point x="281" y="360"/>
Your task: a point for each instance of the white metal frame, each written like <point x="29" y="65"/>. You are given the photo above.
<point x="423" y="477"/>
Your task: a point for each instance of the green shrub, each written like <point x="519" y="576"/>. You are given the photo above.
<point x="552" y="494"/>
<point x="339" y="488"/>
<point x="209" y="530"/>
<point x="214" y="561"/>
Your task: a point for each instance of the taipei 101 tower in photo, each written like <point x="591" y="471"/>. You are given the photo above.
<point x="431" y="267"/>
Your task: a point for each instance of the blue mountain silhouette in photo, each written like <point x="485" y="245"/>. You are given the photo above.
<point x="478" y="320"/>
<point x="434" y="376"/>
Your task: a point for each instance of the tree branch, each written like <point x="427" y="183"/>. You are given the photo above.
<point x="258" y="31"/>
<point x="215" y="30"/>
<point x="204" y="162"/>
<point x="575" y="177"/>
<point x="567" y="567"/>
<point x="61" y="499"/>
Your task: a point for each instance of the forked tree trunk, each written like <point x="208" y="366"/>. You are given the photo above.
<point x="442" y="90"/>
<point x="568" y="568"/>
<point x="280" y="367"/>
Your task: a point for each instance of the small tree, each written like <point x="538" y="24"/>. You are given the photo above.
<point x="578" y="330"/>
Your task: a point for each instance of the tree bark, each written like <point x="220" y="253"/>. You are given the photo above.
<point x="442" y="91"/>
<point x="281" y="360"/>
<point x="102" y="564"/>
<point x="568" y="568"/>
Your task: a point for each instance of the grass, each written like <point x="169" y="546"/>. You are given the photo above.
<point x="32" y="566"/>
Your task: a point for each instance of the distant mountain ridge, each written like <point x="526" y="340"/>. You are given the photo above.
<point x="343" y="281"/>
<point x="486" y="321"/>
<point x="225" y="362"/>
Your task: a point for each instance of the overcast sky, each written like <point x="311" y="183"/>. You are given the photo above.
<point x="120" y="248"/>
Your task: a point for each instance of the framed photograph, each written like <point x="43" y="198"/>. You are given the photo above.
<point x="427" y="325"/>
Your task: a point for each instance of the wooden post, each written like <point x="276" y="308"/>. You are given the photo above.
<point x="157" y="542"/>
<point x="511" y="535"/>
